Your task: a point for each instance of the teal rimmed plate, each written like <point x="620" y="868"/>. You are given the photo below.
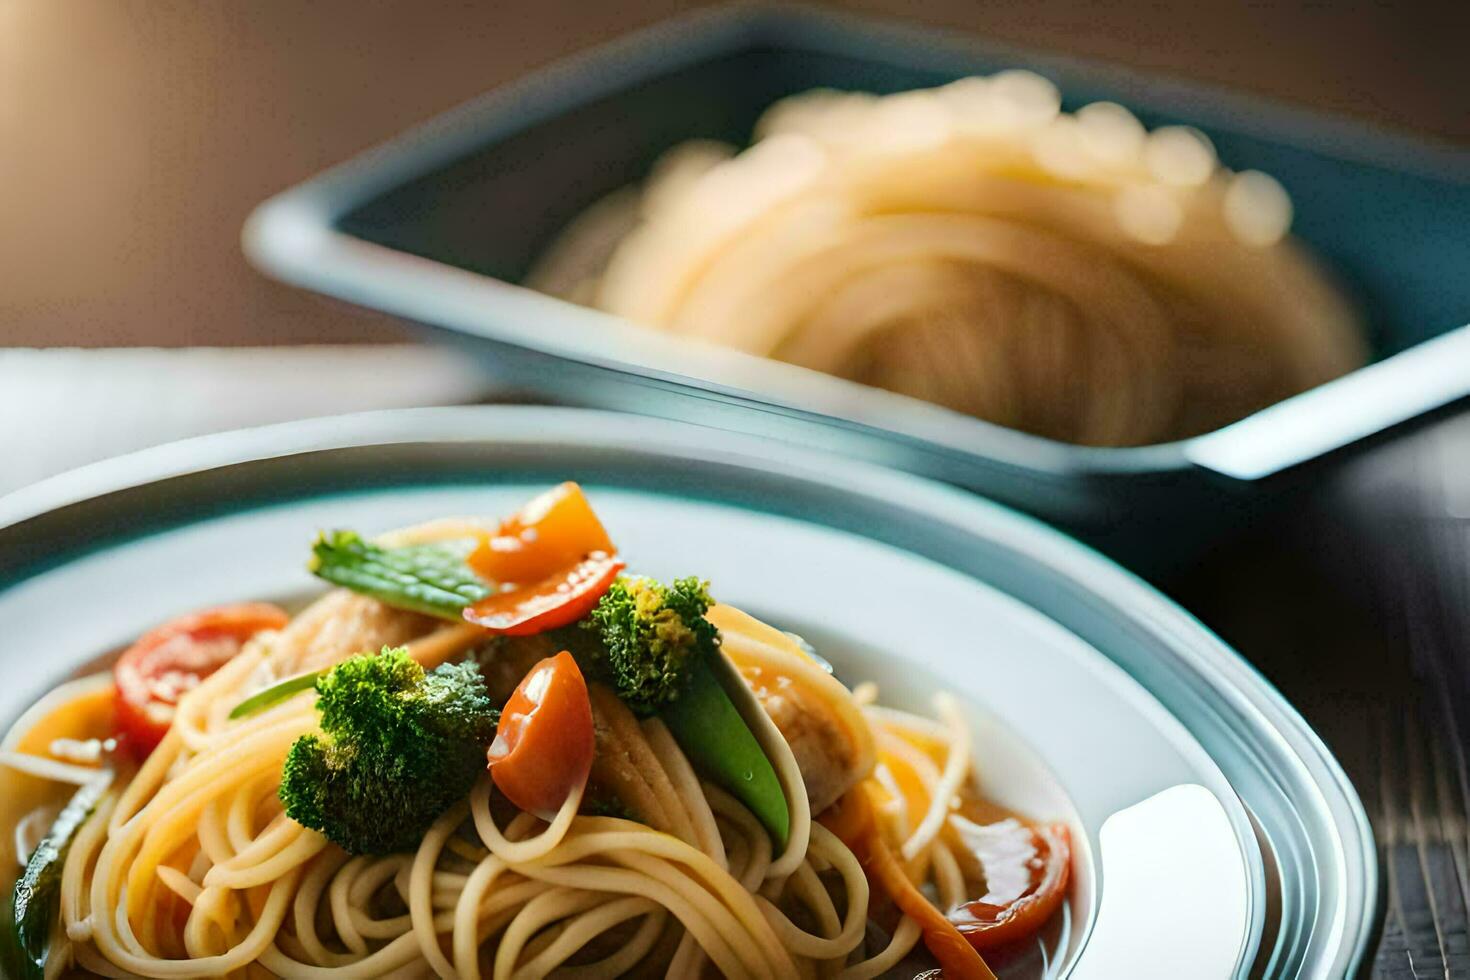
<point x="1217" y="836"/>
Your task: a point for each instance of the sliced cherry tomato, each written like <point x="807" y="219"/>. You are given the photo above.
<point x="544" y="744"/>
<point x="851" y="819"/>
<point x="1026" y="869"/>
<point x="169" y="661"/>
<point x="558" y="600"/>
<point x="551" y="532"/>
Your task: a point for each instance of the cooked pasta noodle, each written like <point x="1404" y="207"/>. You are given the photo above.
<point x="1068" y="274"/>
<point x="189" y="866"/>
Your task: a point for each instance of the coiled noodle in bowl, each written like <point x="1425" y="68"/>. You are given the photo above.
<point x="451" y="764"/>
<point x="1067" y="274"/>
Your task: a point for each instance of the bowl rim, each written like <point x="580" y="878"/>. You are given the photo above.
<point x="1085" y="592"/>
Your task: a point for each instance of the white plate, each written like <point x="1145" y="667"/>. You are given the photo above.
<point x="1094" y="700"/>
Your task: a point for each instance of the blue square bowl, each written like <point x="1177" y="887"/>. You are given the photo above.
<point x="439" y="225"/>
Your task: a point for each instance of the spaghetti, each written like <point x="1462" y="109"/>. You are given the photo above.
<point x="1071" y="275"/>
<point x="652" y="863"/>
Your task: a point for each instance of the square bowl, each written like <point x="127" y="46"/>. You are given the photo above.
<point x="439" y="225"/>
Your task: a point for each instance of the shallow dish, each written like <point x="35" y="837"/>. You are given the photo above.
<point x="1094" y="698"/>
<point x="438" y="226"/>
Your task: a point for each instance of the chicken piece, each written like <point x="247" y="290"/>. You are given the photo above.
<point x="339" y="625"/>
<point x="814" y="713"/>
<point x="627" y="770"/>
<point x="506" y="660"/>
<point x="824" y="753"/>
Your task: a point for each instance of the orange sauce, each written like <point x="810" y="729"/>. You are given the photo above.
<point x="86" y="716"/>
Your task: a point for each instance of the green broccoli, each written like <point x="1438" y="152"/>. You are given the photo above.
<point x="661" y="654"/>
<point x="401" y="746"/>
<point x="650" y="633"/>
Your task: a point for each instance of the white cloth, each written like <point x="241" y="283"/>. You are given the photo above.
<point x="61" y="408"/>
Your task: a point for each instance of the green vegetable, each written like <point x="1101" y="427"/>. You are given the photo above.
<point x="652" y="634"/>
<point x="711" y="731"/>
<point x="661" y="654"/>
<point x="427" y="578"/>
<point x="650" y="642"/>
<point x="37" y="897"/>
<point x="401" y="746"/>
<point x="261" y="700"/>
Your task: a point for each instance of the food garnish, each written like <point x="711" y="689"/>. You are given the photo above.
<point x="399" y="747"/>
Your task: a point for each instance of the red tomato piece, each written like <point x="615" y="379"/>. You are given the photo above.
<point x="544" y="744"/>
<point x="1042" y="857"/>
<point x="560" y="599"/>
<point x="851" y="819"/>
<point x="551" y="532"/>
<point x="169" y="661"/>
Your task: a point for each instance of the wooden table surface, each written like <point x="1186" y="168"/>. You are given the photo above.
<point x="1355" y="602"/>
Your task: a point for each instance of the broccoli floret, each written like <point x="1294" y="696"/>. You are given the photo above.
<point x="400" y="746"/>
<point x="649" y="632"/>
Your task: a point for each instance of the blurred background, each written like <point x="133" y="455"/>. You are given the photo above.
<point x="136" y="135"/>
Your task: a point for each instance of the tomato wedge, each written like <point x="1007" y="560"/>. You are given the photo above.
<point x="1032" y="864"/>
<point x="851" y="819"/>
<point x="551" y="532"/>
<point x="559" y="599"/>
<point x="544" y="744"/>
<point x="169" y="661"/>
